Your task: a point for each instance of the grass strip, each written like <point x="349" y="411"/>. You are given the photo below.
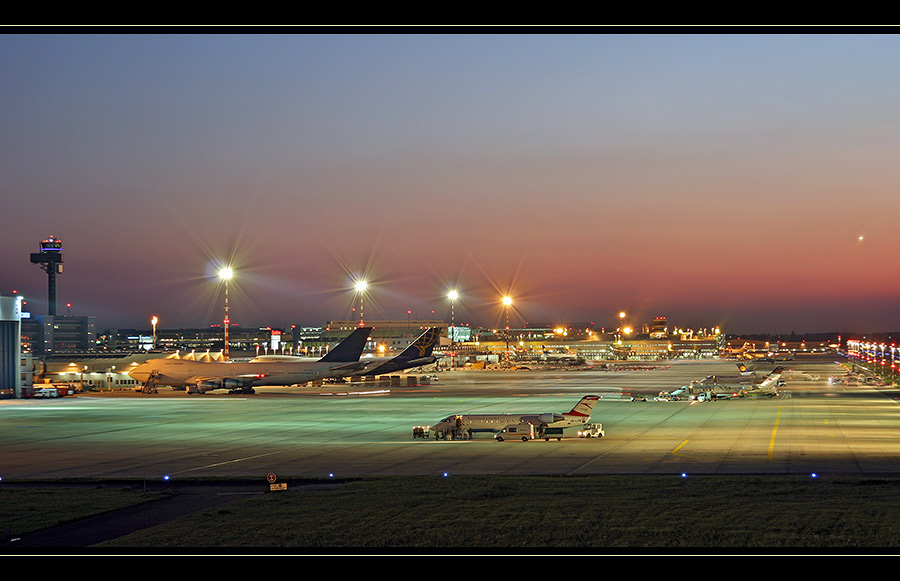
<point x="610" y="513"/>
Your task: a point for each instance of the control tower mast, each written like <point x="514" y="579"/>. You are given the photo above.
<point x="51" y="260"/>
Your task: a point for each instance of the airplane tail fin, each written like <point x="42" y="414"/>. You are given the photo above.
<point x="423" y="345"/>
<point x="351" y="348"/>
<point x="773" y="377"/>
<point x="585" y="406"/>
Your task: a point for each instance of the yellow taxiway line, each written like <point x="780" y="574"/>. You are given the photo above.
<point x="774" y="432"/>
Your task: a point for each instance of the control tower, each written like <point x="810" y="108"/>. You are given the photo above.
<point x="51" y="260"/>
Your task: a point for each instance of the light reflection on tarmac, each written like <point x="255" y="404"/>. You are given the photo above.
<point x="362" y="430"/>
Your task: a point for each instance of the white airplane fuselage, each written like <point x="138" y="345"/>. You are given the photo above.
<point x="496" y="422"/>
<point x="179" y="372"/>
<point x="768" y="381"/>
<point x="580" y="414"/>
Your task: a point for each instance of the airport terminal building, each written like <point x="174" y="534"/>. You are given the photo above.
<point x="525" y="345"/>
<point x="49" y="334"/>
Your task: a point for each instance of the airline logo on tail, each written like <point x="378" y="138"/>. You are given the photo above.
<point x="426" y="341"/>
<point x="584" y="407"/>
<point x="772" y="377"/>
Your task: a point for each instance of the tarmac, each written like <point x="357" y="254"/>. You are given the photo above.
<point x="303" y="435"/>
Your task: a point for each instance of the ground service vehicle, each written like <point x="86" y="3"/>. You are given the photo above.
<point x="725" y="392"/>
<point x="548" y="433"/>
<point x="667" y="396"/>
<point x="591" y="431"/>
<point x="523" y="430"/>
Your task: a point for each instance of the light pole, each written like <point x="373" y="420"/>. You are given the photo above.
<point x="225" y="274"/>
<point x="893" y="362"/>
<point x="360" y="287"/>
<point x="619" y="332"/>
<point x="452" y="295"/>
<point x="153" y="322"/>
<point x="507" y="300"/>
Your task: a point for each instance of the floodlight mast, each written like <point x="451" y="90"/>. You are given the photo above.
<point x="507" y="300"/>
<point x="452" y="295"/>
<point x="360" y="287"/>
<point x="225" y="274"/>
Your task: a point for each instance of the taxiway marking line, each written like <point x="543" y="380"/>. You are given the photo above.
<point x="774" y="433"/>
<point x="233" y="461"/>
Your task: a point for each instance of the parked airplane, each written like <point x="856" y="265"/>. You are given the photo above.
<point x="798" y="374"/>
<point x="458" y="424"/>
<point x="727" y="390"/>
<point x="202" y="376"/>
<point x="746" y="379"/>
<point x="712" y="383"/>
<point x="773" y="357"/>
<point x="745" y="371"/>
<point x="418" y="353"/>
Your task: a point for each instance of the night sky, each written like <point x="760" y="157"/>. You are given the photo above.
<point x="712" y="179"/>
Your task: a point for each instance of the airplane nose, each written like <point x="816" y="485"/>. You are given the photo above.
<point x="140" y="373"/>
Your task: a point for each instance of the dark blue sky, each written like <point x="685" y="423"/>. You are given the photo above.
<point x="713" y="179"/>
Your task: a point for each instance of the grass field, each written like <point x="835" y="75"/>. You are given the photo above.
<point x="24" y="510"/>
<point x="627" y="514"/>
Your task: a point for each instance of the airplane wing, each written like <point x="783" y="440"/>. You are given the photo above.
<point x="352" y="366"/>
<point x="242" y="378"/>
<point x="198" y="378"/>
<point x="420" y="361"/>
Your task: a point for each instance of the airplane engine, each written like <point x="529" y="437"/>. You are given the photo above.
<point x="550" y="418"/>
<point x="232" y="384"/>
<point x="229" y="383"/>
<point x="209" y="385"/>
